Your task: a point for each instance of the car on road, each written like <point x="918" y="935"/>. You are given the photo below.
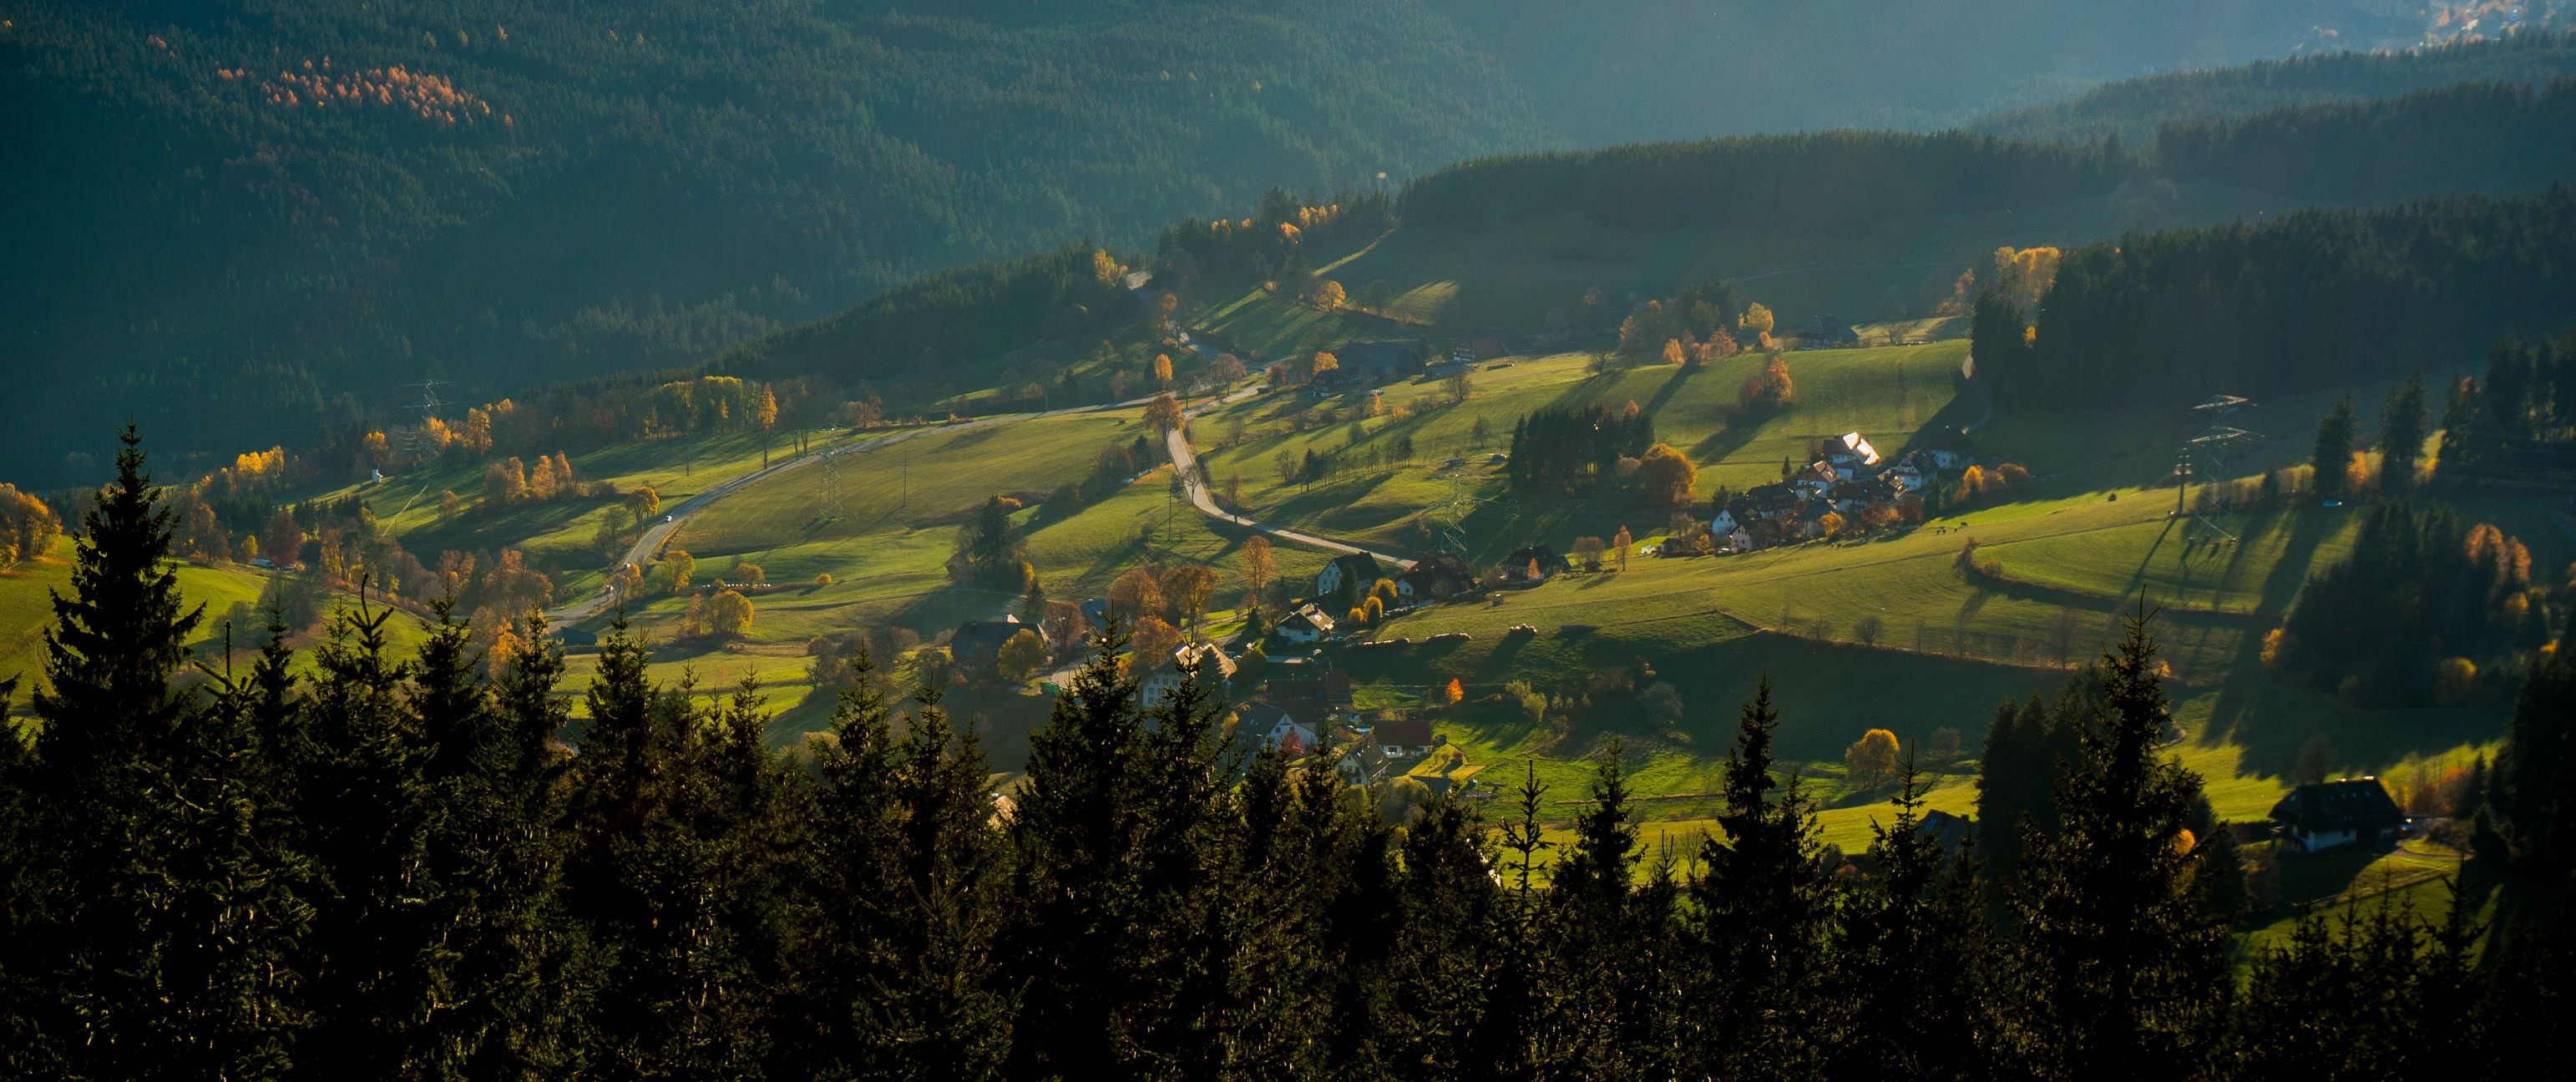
<point x="666" y="518"/>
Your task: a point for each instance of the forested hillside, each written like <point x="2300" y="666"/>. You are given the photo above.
<point x="2133" y="109"/>
<point x="2310" y="301"/>
<point x="272" y="213"/>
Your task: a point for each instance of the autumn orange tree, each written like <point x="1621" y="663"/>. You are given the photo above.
<point x="1163" y="413"/>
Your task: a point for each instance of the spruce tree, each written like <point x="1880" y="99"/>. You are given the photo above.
<point x="379" y="953"/>
<point x="1762" y="912"/>
<point x="2333" y="449"/>
<point x="1074" y="834"/>
<point x="1591" y="893"/>
<point x="103" y="959"/>
<point x="1911" y="954"/>
<point x="1431" y="1020"/>
<point x="2123" y="964"/>
<point x="2534" y="774"/>
<point x="2401" y="435"/>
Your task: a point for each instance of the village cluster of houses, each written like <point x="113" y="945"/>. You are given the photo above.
<point x="1850" y="479"/>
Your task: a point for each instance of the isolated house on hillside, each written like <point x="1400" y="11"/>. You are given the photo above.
<point x="1436" y="577"/>
<point x="1534" y="564"/>
<point x="1356" y="569"/>
<point x="979" y="642"/>
<point x="2323" y="815"/>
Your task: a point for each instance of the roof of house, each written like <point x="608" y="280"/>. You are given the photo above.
<point x="1218" y="666"/>
<point x="1944" y="829"/>
<point x="1310" y="616"/>
<point x="984" y="636"/>
<point x="1404" y="732"/>
<point x="1544" y="555"/>
<point x="1854" y="446"/>
<point x="2346" y="804"/>
<point x="1359" y="567"/>
<point x="1260" y="717"/>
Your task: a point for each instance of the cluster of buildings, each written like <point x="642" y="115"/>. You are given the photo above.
<point x="1847" y="478"/>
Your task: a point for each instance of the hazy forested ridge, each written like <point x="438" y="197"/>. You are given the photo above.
<point x="1623" y="70"/>
<point x="248" y="209"/>
<point x="2134" y="108"/>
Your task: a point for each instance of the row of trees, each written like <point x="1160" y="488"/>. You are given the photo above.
<point x="2422" y="604"/>
<point x="1560" y="450"/>
<point x="2517" y="426"/>
<point x="393" y="868"/>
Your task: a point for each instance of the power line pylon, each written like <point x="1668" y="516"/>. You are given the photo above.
<point x="2213" y="456"/>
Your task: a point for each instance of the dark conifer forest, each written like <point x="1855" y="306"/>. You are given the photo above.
<point x="414" y="866"/>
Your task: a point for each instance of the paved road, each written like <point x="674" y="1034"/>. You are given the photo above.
<point x="1186" y="461"/>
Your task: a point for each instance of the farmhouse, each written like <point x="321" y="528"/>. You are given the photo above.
<point x="1534" y="564"/>
<point x="1216" y="671"/>
<point x="1354" y="569"/>
<point x="1307" y="624"/>
<point x="1404" y="738"/>
<point x="1436" y="577"/>
<point x="1762" y="503"/>
<point x="2323" y="815"/>
<point x="1947" y="449"/>
<point x="1849" y="455"/>
<point x="1259" y="726"/>
<point x="979" y="642"/>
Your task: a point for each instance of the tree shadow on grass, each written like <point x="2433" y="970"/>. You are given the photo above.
<point x="2271" y="719"/>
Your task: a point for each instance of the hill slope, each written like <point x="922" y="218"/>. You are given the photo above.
<point x="278" y="210"/>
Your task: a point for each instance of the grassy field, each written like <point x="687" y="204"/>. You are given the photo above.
<point x="1889" y="394"/>
<point x="26" y="611"/>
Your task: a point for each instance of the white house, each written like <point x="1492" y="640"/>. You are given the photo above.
<point x="1261" y="725"/>
<point x="1949" y="449"/>
<point x="1724" y="524"/>
<point x="1215" y="670"/>
<point x="1850" y="454"/>
<point x="1307" y="624"/>
<point x="2323" y="815"/>
<point x="1356" y="568"/>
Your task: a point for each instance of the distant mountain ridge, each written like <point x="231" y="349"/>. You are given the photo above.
<point x="2133" y="109"/>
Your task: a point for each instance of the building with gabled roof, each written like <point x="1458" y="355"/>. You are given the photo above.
<point x="2326" y="814"/>
<point x="1357" y="570"/>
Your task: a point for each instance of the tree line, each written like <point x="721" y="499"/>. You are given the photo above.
<point x="2133" y="110"/>
<point x="2308" y="300"/>
<point x="1560" y="450"/>
<point x="415" y="867"/>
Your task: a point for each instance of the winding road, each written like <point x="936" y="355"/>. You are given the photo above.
<point x="1185" y="460"/>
